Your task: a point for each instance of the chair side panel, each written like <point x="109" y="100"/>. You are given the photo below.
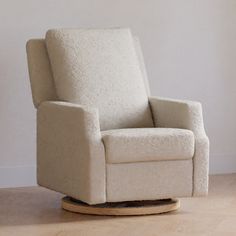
<point x="41" y="79"/>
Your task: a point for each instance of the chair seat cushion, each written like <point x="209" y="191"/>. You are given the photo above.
<point x="148" y="144"/>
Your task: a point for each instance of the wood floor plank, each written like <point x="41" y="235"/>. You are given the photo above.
<point x="37" y="211"/>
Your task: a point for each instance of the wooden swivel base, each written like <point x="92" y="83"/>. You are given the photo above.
<point x="121" y="208"/>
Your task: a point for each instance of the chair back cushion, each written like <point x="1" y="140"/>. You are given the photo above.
<point x="40" y="73"/>
<point x="148" y="145"/>
<point x="100" y="68"/>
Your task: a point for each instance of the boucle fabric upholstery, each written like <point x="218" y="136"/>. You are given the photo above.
<point x="148" y="144"/>
<point x="75" y="158"/>
<point x="42" y="83"/>
<point x="142" y="66"/>
<point x="149" y="180"/>
<point x="186" y="115"/>
<point x="99" y="68"/>
<point x="70" y="153"/>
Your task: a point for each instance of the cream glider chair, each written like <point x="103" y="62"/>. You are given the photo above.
<point x="101" y="137"/>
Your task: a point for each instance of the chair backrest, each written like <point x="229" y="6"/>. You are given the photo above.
<point x="43" y="81"/>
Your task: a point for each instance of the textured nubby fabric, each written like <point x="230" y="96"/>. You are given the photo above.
<point x="149" y="180"/>
<point x="42" y="83"/>
<point x="100" y="68"/>
<point x="186" y="115"/>
<point x="75" y="157"/>
<point x="71" y="156"/>
<point x="139" y="53"/>
<point x="148" y="144"/>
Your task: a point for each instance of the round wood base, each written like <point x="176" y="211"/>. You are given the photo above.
<point x="121" y="208"/>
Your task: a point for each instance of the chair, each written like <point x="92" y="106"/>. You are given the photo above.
<point x="102" y="140"/>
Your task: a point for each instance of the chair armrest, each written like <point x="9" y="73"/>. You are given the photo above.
<point x="70" y="155"/>
<point x="186" y="115"/>
<point x="177" y="114"/>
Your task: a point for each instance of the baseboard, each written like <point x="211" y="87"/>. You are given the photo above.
<point x="222" y="163"/>
<point x="21" y="176"/>
<point x="17" y="176"/>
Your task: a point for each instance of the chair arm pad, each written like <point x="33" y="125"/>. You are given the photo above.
<point x="71" y="117"/>
<point x="178" y="114"/>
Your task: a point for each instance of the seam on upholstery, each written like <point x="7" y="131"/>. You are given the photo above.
<point x="53" y="80"/>
<point x="105" y="167"/>
<point x="152" y="113"/>
<point x="106" y="181"/>
<point x="193" y="165"/>
<point x="186" y="159"/>
<point x="104" y="146"/>
<point x="192" y="177"/>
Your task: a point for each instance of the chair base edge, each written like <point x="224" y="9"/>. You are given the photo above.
<point x="149" y="207"/>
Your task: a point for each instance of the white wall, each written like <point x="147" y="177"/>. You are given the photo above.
<point x="190" y="52"/>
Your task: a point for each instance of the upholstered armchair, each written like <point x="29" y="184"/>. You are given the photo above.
<point x="101" y="137"/>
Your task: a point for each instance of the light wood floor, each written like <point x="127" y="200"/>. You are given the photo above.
<point x="36" y="211"/>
